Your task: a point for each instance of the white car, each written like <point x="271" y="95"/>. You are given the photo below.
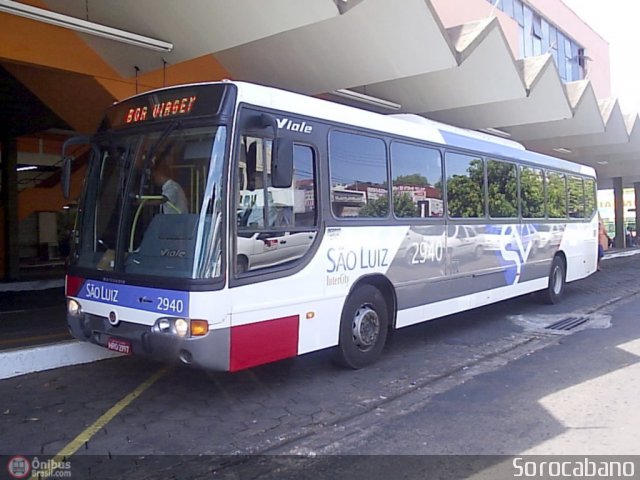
<point x="495" y="237"/>
<point x="549" y="236"/>
<point x="463" y="241"/>
<point x="263" y="249"/>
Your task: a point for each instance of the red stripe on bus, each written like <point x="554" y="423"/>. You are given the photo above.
<point x="263" y="342"/>
<point x="73" y="285"/>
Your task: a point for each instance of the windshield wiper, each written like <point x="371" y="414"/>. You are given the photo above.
<point x="163" y="136"/>
<point x="151" y="152"/>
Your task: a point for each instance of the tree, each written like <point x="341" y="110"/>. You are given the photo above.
<point x="404" y="206"/>
<point x="465" y="193"/>
<point x="576" y="197"/>
<point x="532" y="193"/>
<point x="556" y="195"/>
<point x="413" y="179"/>
<point x="503" y="189"/>
<point x="375" y="208"/>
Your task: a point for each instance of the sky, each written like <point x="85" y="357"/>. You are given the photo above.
<point x="617" y="22"/>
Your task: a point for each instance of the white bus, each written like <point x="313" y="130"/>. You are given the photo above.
<point x="348" y="253"/>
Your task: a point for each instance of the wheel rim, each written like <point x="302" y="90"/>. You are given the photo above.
<point x="557" y="280"/>
<point x="365" y="328"/>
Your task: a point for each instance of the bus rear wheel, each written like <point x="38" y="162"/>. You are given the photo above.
<point x="363" y="328"/>
<point x="555" y="290"/>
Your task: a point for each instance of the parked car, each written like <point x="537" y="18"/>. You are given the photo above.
<point x="549" y="236"/>
<point x="497" y="237"/>
<point x="267" y="249"/>
<point x="463" y="241"/>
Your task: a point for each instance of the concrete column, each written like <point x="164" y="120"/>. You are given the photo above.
<point x="636" y="190"/>
<point x="618" y="208"/>
<point x="9" y="196"/>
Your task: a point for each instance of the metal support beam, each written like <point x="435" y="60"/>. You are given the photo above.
<point x="618" y="208"/>
<point x="9" y="197"/>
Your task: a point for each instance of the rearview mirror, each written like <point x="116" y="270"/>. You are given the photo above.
<point x="282" y="164"/>
<point x="65" y="180"/>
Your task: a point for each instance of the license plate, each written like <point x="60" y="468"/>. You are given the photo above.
<point x="119" y="345"/>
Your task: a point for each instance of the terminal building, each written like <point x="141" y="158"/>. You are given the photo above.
<point x="527" y="70"/>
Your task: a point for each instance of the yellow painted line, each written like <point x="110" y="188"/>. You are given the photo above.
<point x="90" y="431"/>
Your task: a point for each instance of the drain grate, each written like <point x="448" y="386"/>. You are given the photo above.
<point x="568" y="323"/>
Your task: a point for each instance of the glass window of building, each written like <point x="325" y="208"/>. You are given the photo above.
<point x="507" y="7"/>
<point x="568" y="58"/>
<point x="518" y="11"/>
<point x="545" y="35"/>
<point x="417" y="181"/>
<point x="537" y="36"/>
<point x="562" y="66"/>
<point x="553" y="42"/>
<point x="528" y="28"/>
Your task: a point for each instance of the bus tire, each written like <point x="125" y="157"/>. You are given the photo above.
<point x="364" y="326"/>
<point x="554" y="292"/>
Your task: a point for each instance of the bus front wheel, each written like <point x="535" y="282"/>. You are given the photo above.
<point x="363" y="328"/>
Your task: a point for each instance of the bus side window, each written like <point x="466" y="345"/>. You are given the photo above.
<point x="250" y="181"/>
<point x="275" y="225"/>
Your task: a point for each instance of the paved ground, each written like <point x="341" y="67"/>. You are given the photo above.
<point x="436" y="390"/>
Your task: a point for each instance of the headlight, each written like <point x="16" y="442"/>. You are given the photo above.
<point x="181" y="326"/>
<point x="73" y="307"/>
<point x="164" y="324"/>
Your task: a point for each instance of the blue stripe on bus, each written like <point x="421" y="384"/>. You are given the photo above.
<point x="168" y="302"/>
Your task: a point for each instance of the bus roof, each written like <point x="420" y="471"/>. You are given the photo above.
<point x="411" y="126"/>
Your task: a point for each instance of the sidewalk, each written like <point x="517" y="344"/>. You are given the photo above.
<point x="621" y="252"/>
<point x="31" y="285"/>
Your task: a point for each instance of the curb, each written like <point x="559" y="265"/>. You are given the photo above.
<point x="32" y="285"/>
<point x="22" y="361"/>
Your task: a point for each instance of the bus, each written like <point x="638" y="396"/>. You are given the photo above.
<point x="310" y="225"/>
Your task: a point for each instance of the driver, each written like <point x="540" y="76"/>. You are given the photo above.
<point x="171" y="190"/>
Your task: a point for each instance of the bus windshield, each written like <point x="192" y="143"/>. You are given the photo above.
<point x="153" y="204"/>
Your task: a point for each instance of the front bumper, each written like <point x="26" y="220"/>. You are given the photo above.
<point x="209" y="352"/>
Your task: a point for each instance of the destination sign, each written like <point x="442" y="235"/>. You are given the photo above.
<point x="167" y="104"/>
<point x="179" y="106"/>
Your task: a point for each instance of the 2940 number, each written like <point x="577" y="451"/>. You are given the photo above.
<point x="166" y="304"/>
<point x="427" y="252"/>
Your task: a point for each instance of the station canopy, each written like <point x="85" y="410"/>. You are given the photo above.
<point x="398" y="52"/>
